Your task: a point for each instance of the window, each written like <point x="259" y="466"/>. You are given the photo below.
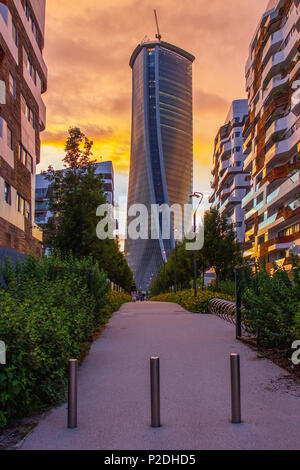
<point x="21" y="154"/>
<point x="237" y="134"/>
<point x="29" y="66"/>
<point x="23" y="206"/>
<point x="27" y="111"/>
<point x="25" y="158"/>
<point x="12" y="85"/>
<point x="10" y="138"/>
<point x="15" y="34"/>
<point x="20" y="203"/>
<point x="289" y="231"/>
<point x="31" y="21"/>
<point x="7" y="193"/>
<point x="30" y="116"/>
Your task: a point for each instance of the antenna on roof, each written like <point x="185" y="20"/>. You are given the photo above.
<point x="158" y="35"/>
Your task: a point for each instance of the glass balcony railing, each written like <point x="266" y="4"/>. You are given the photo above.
<point x="267" y="222"/>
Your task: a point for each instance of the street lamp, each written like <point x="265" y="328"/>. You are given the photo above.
<point x="175" y="261"/>
<point x="200" y="196"/>
<point x="164" y="253"/>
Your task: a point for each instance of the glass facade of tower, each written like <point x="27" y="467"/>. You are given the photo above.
<point x="161" y="167"/>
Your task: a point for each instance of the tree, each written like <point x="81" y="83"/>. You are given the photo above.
<point x="221" y="249"/>
<point x="75" y="195"/>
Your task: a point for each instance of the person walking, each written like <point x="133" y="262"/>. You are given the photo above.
<point x="133" y="293"/>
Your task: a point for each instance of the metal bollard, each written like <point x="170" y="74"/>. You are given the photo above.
<point x="235" y="388"/>
<point x="155" y="392"/>
<point x="72" y="394"/>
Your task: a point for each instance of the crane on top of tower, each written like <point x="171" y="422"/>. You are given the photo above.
<point x="158" y="35"/>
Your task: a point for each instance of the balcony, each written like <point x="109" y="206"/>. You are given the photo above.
<point x="272" y="45"/>
<point x="250" y="214"/>
<point x="276" y="85"/>
<point x="295" y="70"/>
<point x="226" y="150"/>
<point x="270" y="220"/>
<point x="225" y="164"/>
<point x="247" y="146"/>
<point x="282" y="150"/>
<point x="225" y="191"/>
<point x="279" y="126"/>
<point x="247" y="198"/>
<point x="284" y="192"/>
<point x="276" y="39"/>
<point x="234" y="199"/>
<point x="249" y="234"/>
<point x="279" y="61"/>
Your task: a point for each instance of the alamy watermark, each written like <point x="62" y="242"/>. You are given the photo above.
<point x="2" y="353"/>
<point x="296" y="95"/>
<point x="296" y="354"/>
<point x="161" y="222"/>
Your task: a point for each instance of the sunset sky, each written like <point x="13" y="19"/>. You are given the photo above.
<point x="88" y="45"/>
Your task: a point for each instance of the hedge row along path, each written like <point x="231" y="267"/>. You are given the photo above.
<point x="114" y="402"/>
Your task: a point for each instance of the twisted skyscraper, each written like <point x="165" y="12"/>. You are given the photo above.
<point x="161" y="166"/>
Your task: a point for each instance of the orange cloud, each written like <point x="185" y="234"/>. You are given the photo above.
<point x="87" y="49"/>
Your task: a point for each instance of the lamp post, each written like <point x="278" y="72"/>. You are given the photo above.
<point x="175" y="267"/>
<point x="175" y="262"/>
<point x="164" y="254"/>
<point x="200" y="196"/>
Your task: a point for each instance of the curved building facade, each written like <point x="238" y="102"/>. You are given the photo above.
<point x="161" y="166"/>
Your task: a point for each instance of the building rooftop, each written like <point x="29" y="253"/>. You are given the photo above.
<point x="163" y="44"/>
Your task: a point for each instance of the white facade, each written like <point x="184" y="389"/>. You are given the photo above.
<point x="105" y="170"/>
<point x="230" y="182"/>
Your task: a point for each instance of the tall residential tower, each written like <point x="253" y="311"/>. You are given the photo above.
<point x="23" y="79"/>
<point x="272" y="136"/>
<point x="230" y="183"/>
<point x="161" y="166"/>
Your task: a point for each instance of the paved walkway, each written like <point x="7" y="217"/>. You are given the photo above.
<point x="114" y="404"/>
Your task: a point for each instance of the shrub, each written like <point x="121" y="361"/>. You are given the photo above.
<point x="191" y="303"/>
<point x="275" y="311"/>
<point x="225" y="287"/>
<point x="114" y="301"/>
<point x="45" y="320"/>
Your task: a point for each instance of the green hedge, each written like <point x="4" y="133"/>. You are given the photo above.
<point x="275" y="311"/>
<point x="44" y="321"/>
<point x="191" y="303"/>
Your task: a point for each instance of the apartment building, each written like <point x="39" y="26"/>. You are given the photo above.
<point x="272" y="135"/>
<point x="23" y="80"/>
<point x="104" y="170"/>
<point x="230" y="182"/>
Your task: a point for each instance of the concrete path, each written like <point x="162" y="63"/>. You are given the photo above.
<point x="114" y="402"/>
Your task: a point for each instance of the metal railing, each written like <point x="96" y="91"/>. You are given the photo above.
<point x="226" y="310"/>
